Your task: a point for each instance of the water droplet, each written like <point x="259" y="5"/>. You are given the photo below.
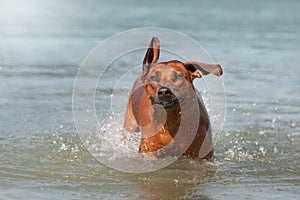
<point x="273" y="123"/>
<point x="262" y="150"/>
<point x="261" y="132"/>
<point x="63" y="147"/>
<point x="293" y="125"/>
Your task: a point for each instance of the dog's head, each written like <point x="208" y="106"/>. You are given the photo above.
<point x="167" y="83"/>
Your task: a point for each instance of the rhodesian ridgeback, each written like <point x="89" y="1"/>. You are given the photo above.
<point x="164" y="102"/>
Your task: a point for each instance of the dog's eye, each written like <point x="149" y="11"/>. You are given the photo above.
<point x="154" y="78"/>
<point x="178" y="76"/>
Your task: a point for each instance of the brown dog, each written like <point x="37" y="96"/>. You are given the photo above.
<point x="164" y="102"/>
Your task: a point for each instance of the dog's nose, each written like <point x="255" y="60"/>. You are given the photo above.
<point x="164" y="91"/>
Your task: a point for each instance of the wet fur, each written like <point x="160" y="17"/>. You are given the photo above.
<point x="159" y="127"/>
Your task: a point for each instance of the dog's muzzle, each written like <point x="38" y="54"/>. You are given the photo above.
<point x="167" y="98"/>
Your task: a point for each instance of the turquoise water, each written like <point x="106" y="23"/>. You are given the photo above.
<point x="42" y="44"/>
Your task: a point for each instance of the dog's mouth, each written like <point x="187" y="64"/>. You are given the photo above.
<point x="168" y="102"/>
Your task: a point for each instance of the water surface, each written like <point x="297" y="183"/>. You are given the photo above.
<point x="42" y="46"/>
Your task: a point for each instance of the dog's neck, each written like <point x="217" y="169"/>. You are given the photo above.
<point x="172" y="118"/>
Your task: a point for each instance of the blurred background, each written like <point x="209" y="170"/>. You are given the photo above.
<point x="43" y="43"/>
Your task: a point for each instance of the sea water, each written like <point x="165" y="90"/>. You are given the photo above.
<point x="43" y="43"/>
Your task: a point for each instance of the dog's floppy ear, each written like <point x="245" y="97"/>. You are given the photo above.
<point x="151" y="56"/>
<point x="198" y="69"/>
